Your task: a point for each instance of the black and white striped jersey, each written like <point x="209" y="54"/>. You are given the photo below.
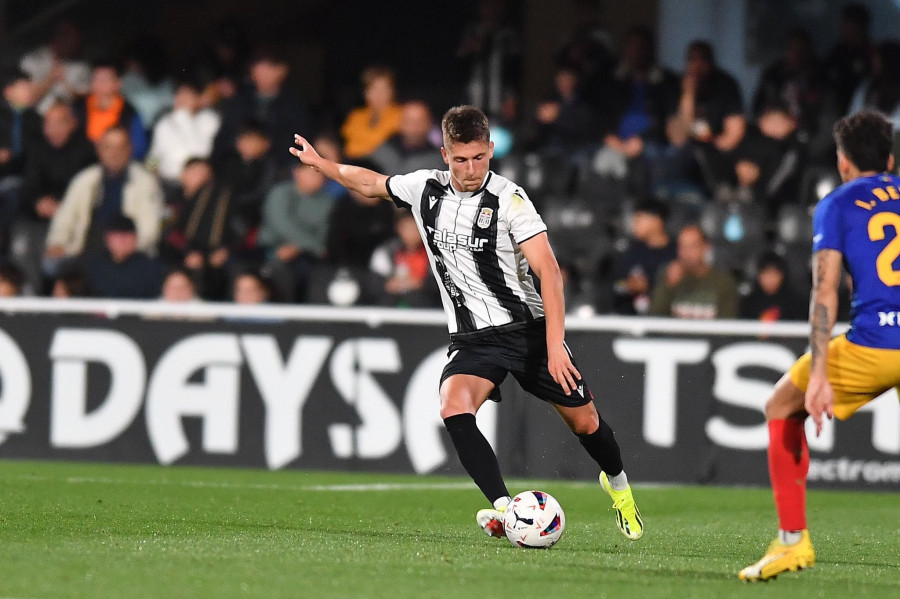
<point x="473" y="244"/>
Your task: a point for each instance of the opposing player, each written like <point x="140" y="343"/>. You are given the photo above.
<point x="858" y="225"/>
<point x="482" y="233"/>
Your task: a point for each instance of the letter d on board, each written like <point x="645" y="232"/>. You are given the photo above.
<point x="72" y="349"/>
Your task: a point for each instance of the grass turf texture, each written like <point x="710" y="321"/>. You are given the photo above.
<point x="77" y="530"/>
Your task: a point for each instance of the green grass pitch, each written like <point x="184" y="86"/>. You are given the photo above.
<point x="97" y="531"/>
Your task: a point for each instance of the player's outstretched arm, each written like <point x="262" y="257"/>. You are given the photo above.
<point x="540" y="257"/>
<point x="822" y="315"/>
<point x="367" y="182"/>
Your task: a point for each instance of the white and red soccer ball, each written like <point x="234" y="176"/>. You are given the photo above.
<point x="534" y="520"/>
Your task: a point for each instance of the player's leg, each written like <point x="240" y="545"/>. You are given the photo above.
<point x="597" y="438"/>
<point x="788" y="458"/>
<point x="462" y="395"/>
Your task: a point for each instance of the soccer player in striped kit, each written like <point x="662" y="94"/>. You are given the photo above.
<point x="482" y="234"/>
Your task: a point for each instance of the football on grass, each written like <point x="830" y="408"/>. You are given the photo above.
<point x="534" y="520"/>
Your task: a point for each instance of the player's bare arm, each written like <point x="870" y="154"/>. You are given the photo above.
<point x="822" y="315"/>
<point x="362" y="180"/>
<point x="540" y="257"/>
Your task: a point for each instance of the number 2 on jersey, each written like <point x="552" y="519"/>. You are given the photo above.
<point x="884" y="264"/>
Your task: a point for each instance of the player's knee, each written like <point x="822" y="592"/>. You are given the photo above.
<point x="584" y="422"/>
<point x="453" y="404"/>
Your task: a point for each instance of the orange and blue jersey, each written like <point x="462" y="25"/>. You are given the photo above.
<point x="861" y="220"/>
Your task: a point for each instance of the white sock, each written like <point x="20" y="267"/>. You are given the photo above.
<point x="502" y="502"/>
<point x="618" y="482"/>
<point x="789" y="537"/>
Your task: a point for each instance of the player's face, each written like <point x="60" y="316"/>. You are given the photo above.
<point x="469" y="163"/>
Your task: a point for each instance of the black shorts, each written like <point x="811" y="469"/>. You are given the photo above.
<point x="521" y="352"/>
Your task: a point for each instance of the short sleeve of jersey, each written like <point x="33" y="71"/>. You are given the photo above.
<point x="827" y="231"/>
<point x="406" y="190"/>
<point x="524" y="221"/>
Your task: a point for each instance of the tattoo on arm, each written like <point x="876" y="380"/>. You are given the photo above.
<point x="821" y="332"/>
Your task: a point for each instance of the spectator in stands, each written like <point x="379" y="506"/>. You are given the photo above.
<point x="649" y="250"/>
<point x="71" y="282"/>
<point x="772" y="297"/>
<point x="411" y="148"/>
<point x="881" y="91"/>
<point x="710" y="115"/>
<point x="202" y="237"/>
<point x="106" y="107"/>
<point x="20" y="124"/>
<point x="224" y="62"/>
<point x="249" y="173"/>
<point x="179" y="287"/>
<point x="491" y="54"/>
<point x="369" y="126"/>
<point x="358" y="225"/>
<point x="186" y="132"/>
<point x="122" y="271"/>
<point x="270" y="101"/>
<point x="58" y="72"/>
<point x="690" y="287"/>
<point x="590" y="48"/>
<point x="11" y="279"/>
<point x="116" y="186"/>
<point x="146" y="83"/>
<point x="793" y="81"/>
<point x="402" y="267"/>
<point x="295" y="227"/>
<point x="250" y="287"/>
<point x="56" y="157"/>
<point x="769" y="161"/>
<point x="20" y="127"/>
<point x="850" y="60"/>
<point x="645" y="96"/>
<point x="565" y="123"/>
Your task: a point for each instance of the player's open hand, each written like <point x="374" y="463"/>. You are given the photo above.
<point x="819" y="400"/>
<point x="559" y="363"/>
<point x="304" y="151"/>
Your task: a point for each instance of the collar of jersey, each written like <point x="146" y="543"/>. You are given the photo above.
<point x="466" y="195"/>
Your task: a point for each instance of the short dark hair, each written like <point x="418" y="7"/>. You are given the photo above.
<point x="12" y="274"/>
<point x="197" y="160"/>
<point x="465" y="124"/>
<point x="653" y="207"/>
<point x="108" y="62"/>
<point x="704" y="49"/>
<point x="865" y="138"/>
<point x="14" y="75"/>
<point x="770" y="259"/>
<point x="252" y="127"/>
<point x="857" y="14"/>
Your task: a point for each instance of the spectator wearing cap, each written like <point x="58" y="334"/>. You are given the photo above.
<point x="105" y="107"/>
<point x="122" y="271"/>
<point x="115" y="186"/>
<point x="772" y="297"/>
<point x="649" y="249"/>
<point x="187" y="131"/>
<point x="268" y="100"/>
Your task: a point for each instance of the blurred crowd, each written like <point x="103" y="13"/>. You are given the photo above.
<point x="664" y="193"/>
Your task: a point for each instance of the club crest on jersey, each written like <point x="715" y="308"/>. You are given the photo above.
<point x="484" y="218"/>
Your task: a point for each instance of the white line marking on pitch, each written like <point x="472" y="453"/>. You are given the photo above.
<point x="348" y="488"/>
